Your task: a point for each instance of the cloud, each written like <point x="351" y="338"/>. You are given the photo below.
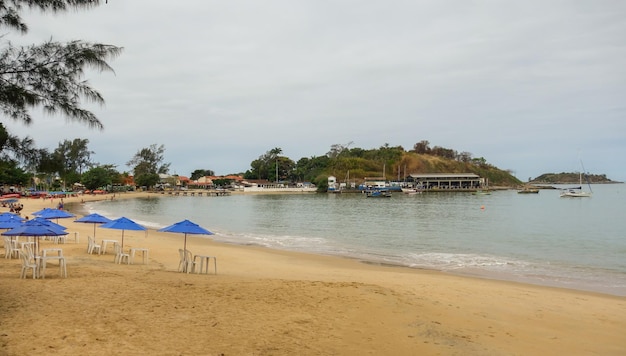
<point x="527" y="85"/>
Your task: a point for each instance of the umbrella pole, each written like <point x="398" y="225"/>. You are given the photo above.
<point x="185" y="253"/>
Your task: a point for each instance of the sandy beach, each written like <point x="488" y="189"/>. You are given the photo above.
<point x="268" y="302"/>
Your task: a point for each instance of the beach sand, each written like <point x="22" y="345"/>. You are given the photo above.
<point x="268" y="302"/>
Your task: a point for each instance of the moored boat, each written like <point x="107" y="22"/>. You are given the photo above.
<point x="577" y="192"/>
<point x="411" y="190"/>
<point x="378" y="194"/>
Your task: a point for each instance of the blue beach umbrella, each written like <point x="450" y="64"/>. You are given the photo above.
<point x="48" y="213"/>
<point x="10" y="221"/>
<point x="36" y="228"/>
<point x="123" y="224"/>
<point x="94" y="219"/>
<point x="7" y="215"/>
<point x="186" y="227"/>
<point x="45" y="222"/>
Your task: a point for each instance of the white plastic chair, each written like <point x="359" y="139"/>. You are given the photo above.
<point x="29" y="248"/>
<point x="27" y="263"/>
<point x="92" y="246"/>
<point x="120" y="255"/>
<point x="186" y="264"/>
<point x="10" y="248"/>
<point x="60" y="239"/>
<point x="76" y="237"/>
<point x="181" y="262"/>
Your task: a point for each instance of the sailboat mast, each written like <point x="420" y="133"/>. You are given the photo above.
<point x="585" y="173"/>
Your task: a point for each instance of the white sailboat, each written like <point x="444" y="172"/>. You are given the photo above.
<point x="578" y="192"/>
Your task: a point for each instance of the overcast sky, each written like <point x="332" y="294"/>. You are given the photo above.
<point x="531" y="86"/>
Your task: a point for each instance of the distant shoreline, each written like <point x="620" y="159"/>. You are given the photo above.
<point x="569" y="183"/>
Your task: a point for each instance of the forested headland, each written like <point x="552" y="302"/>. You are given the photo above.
<point x="390" y="162"/>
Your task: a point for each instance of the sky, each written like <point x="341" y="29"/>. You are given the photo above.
<point x="531" y="86"/>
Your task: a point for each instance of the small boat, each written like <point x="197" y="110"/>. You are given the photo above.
<point x="481" y="192"/>
<point x="378" y="194"/>
<point x="578" y="192"/>
<point x="527" y="190"/>
<point x="411" y="190"/>
<point x="11" y="195"/>
<point x="575" y="192"/>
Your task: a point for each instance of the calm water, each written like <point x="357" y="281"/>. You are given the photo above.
<point x="540" y="238"/>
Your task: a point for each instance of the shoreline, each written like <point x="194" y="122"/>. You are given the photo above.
<point x="272" y="302"/>
<point x="546" y="280"/>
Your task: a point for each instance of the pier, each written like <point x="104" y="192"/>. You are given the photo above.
<point x="210" y="193"/>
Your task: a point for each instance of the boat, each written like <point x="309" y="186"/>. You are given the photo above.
<point x="575" y="192"/>
<point x="378" y="194"/>
<point x="11" y="195"/>
<point x="379" y="185"/>
<point x="481" y="192"/>
<point x="527" y="190"/>
<point x="578" y="192"/>
<point x="411" y="190"/>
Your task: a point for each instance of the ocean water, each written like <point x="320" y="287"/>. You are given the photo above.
<point x="577" y="243"/>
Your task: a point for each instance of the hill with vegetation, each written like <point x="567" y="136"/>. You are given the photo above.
<point x="571" y="178"/>
<point x="390" y="163"/>
<point x="413" y="163"/>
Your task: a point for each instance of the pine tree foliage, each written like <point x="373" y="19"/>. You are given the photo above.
<point x="49" y="75"/>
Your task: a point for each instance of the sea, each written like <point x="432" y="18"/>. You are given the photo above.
<point x="543" y="239"/>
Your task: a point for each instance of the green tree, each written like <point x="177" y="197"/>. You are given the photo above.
<point x="222" y="182"/>
<point x="11" y="174"/>
<point x="147" y="180"/>
<point x="464" y="157"/>
<point x="49" y="75"/>
<point x="97" y="177"/>
<point x="311" y="169"/>
<point x="116" y="177"/>
<point x="265" y="166"/>
<point x="46" y="163"/>
<point x="14" y="148"/>
<point x="444" y="152"/>
<point x="147" y="164"/>
<point x="337" y="149"/>
<point x="422" y="147"/>
<point x="72" y="157"/>
<point x="285" y="168"/>
<point x="199" y="173"/>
